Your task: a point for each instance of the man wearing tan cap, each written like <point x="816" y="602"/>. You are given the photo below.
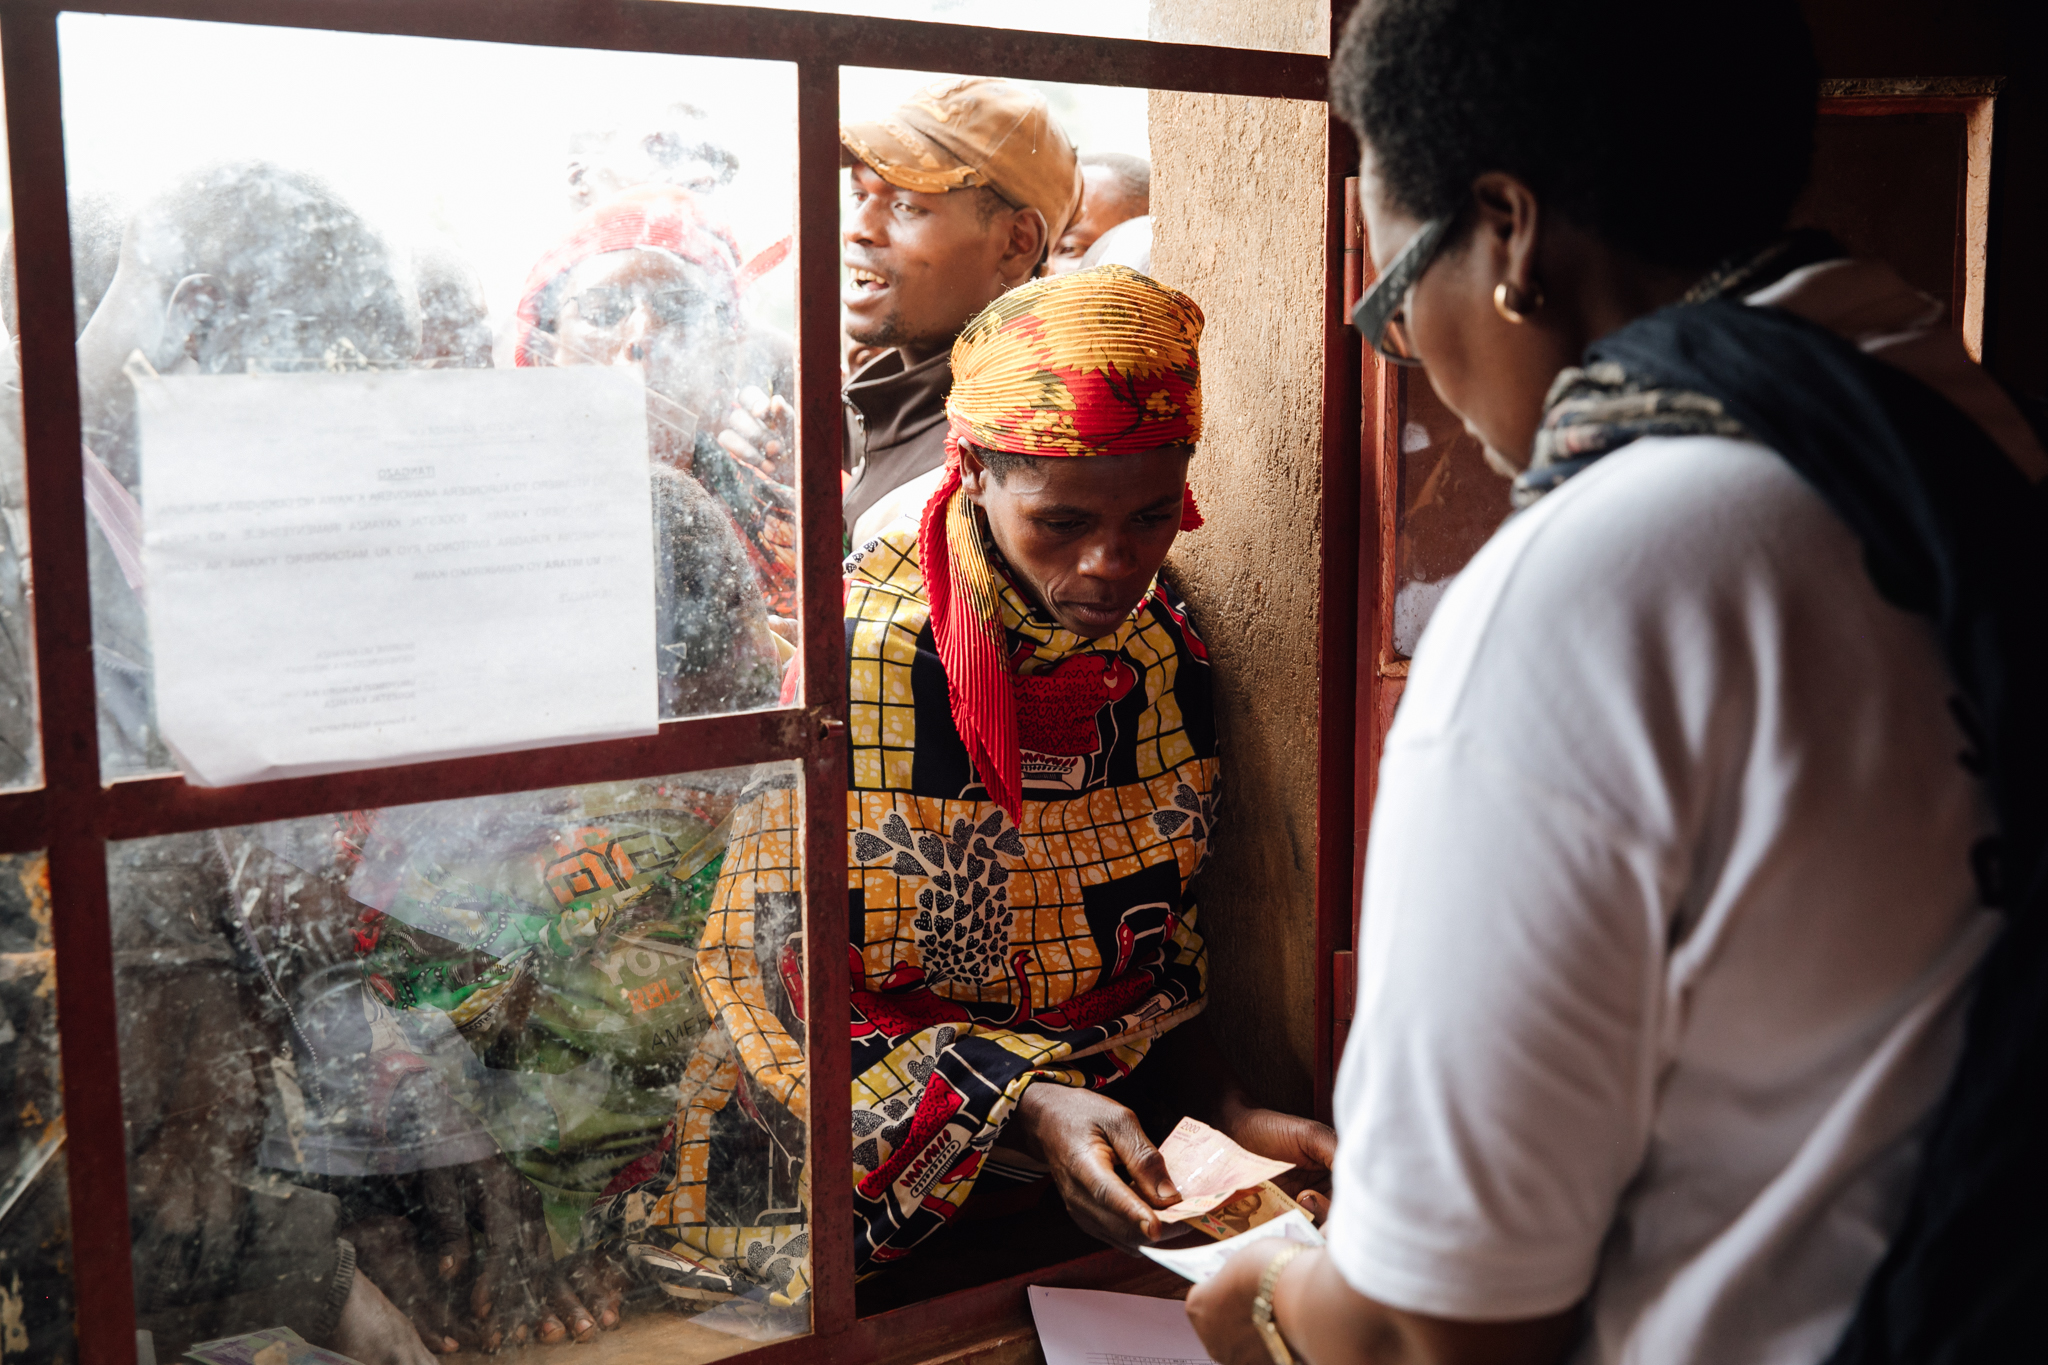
<point x="958" y="194"/>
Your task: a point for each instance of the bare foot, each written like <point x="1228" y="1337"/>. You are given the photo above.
<point x="373" y="1331"/>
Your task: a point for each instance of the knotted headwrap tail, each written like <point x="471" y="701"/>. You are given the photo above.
<point x="1098" y="362"/>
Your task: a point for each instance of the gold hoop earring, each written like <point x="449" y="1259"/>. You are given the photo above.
<point x="1500" y="304"/>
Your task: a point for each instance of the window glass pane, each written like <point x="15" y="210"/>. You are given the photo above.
<point x="35" y="1218"/>
<point x="21" y="759"/>
<point x="1278" y="25"/>
<point x="990" y="944"/>
<point x="1451" y="501"/>
<point x="1095" y="18"/>
<point x="896" y="432"/>
<point x="484" y="1050"/>
<point x="440" y="403"/>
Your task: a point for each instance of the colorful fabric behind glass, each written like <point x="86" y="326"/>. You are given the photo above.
<point x="557" y="939"/>
<point x="527" y="964"/>
<point x="35" y="1222"/>
<point x="987" y="951"/>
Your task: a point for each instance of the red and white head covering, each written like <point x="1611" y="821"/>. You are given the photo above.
<point x="1097" y="362"/>
<point x="659" y="216"/>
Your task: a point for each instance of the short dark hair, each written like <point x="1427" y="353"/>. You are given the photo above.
<point x="97" y="223"/>
<point x="1001" y="464"/>
<point x="280" y="240"/>
<point x="994" y="202"/>
<point x="1679" y="131"/>
<point x="1133" y="173"/>
<point x="990" y="203"/>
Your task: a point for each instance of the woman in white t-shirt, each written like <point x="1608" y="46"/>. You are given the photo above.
<point x="1670" y="917"/>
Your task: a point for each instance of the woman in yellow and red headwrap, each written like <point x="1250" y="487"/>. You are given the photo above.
<point x="1033" y="783"/>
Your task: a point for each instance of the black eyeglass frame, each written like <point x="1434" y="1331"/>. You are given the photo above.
<point x="1389" y="293"/>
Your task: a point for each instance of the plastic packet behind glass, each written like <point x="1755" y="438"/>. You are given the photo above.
<point x="490" y="1001"/>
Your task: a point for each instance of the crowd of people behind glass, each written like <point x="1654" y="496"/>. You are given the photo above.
<point x="408" y="1047"/>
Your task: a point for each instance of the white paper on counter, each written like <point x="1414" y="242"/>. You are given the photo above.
<point x="348" y="570"/>
<point x="1198" y="1263"/>
<point x="1092" y="1327"/>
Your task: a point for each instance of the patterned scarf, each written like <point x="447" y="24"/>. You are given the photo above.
<point x="1098" y="362"/>
<point x="1597" y="408"/>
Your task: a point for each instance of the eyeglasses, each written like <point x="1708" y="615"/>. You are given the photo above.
<point x="1381" y="315"/>
<point x="609" y="305"/>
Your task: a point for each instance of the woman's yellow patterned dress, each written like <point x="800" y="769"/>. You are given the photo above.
<point x="986" y="954"/>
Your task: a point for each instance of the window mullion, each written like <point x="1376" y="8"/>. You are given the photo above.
<point x="819" y="427"/>
<point x="139" y="807"/>
<point x="1338" y="620"/>
<point x="88" y="1025"/>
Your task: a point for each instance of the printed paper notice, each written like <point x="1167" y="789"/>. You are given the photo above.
<point x="351" y="570"/>
<point x="1094" y="1327"/>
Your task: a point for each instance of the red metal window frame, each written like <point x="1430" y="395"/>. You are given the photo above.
<point x="73" y="815"/>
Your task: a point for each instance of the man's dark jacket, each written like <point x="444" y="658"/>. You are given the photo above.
<point x="895" y="426"/>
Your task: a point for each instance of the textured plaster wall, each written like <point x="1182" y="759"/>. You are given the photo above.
<point x="1280" y="25"/>
<point x="1237" y="198"/>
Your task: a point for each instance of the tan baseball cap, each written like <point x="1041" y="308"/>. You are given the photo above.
<point x="974" y="130"/>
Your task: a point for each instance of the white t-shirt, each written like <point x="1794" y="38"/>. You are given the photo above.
<point x="1669" y="923"/>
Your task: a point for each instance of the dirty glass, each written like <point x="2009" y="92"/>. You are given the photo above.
<point x="477" y="1054"/>
<point x="1250" y="252"/>
<point x="1290" y="26"/>
<point x="21" y="757"/>
<point x="441" y="401"/>
<point x="21" y="761"/>
<point x="1093" y="18"/>
<point x="1450" y="502"/>
<point x="35" y="1221"/>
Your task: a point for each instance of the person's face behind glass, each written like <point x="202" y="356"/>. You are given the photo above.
<point x="193" y="325"/>
<point x="455" y="330"/>
<point x="1084" y="536"/>
<point x="657" y="314"/>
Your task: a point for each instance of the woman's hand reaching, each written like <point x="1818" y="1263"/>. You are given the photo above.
<point x="1084" y="1137"/>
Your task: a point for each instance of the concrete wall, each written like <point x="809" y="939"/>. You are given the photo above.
<point x="1280" y="25"/>
<point x="1237" y="198"/>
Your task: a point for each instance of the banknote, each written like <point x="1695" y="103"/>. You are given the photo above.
<point x="271" y="1346"/>
<point x="1244" y="1211"/>
<point x="1208" y="1169"/>
<point x="1199" y="1263"/>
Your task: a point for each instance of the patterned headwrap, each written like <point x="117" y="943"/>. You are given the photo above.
<point x="1097" y="362"/>
<point x="658" y="216"/>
